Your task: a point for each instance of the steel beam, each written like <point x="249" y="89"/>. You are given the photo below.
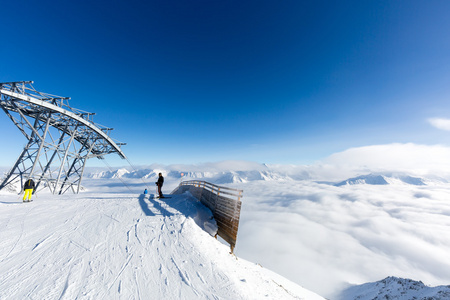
<point x="52" y="114"/>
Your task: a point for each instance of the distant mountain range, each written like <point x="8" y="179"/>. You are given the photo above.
<point x="395" y="288"/>
<point x="226" y="177"/>
<point x="215" y="177"/>
<point x="259" y="172"/>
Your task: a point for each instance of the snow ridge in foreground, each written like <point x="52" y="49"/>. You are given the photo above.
<point x="109" y="246"/>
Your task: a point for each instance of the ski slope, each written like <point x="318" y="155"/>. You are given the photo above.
<point x="123" y="246"/>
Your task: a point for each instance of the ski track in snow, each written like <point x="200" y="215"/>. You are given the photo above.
<point x="110" y="247"/>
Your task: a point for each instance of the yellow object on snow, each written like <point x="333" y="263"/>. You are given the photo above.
<point x="28" y="193"/>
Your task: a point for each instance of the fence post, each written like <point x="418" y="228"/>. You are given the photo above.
<point x="217" y="200"/>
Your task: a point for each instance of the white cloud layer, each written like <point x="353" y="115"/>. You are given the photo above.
<point x="324" y="237"/>
<point x="412" y="158"/>
<point x="439" y="123"/>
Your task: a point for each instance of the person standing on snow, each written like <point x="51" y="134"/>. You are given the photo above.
<point x="160" y="183"/>
<point x="145" y="192"/>
<point x="28" y="187"/>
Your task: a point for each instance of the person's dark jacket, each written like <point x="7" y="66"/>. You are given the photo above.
<point x="29" y="184"/>
<point x="160" y="181"/>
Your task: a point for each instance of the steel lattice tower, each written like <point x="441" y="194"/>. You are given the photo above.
<point x="60" y="138"/>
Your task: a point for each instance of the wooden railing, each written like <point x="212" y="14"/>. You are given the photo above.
<point x="225" y="204"/>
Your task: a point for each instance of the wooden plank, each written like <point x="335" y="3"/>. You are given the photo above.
<point x="228" y="226"/>
<point x="233" y="205"/>
<point x="233" y="212"/>
<point x="224" y="203"/>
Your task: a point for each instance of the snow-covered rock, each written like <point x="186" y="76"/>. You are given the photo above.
<point x="395" y="288"/>
<point x="242" y="172"/>
<point x="383" y="179"/>
<point x="365" y="179"/>
<point x="217" y="177"/>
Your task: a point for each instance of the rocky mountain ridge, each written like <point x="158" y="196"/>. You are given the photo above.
<point x="396" y="288"/>
<point x="231" y="176"/>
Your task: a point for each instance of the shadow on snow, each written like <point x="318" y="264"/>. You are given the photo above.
<point x="145" y="206"/>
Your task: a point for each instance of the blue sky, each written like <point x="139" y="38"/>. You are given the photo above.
<point x="266" y="81"/>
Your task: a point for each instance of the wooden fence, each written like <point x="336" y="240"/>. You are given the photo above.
<point x="225" y="204"/>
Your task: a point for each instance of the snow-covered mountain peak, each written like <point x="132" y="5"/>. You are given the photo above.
<point x="218" y="177"/>
<point x="387" y="178"/>
<point x="396" y="288"/>
<point x="226" y="173"/>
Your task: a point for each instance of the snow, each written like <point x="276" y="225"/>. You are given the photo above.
<point x="395" y="288"/>
<point x="116" y="245"/>
<point x="382" y="179"/>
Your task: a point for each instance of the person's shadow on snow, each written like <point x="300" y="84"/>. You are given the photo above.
<point x="156" y="204"/>
<point x="144" y="206"/>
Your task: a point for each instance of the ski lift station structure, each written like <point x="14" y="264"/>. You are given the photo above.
<point x="60" y="138"/>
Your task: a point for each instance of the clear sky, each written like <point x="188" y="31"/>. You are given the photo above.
<point x="266" y="81"/>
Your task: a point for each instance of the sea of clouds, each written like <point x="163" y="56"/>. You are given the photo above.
<point x="326" y="237"/>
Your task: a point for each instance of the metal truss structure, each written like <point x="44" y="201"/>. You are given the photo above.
<point x="60" y="138"/>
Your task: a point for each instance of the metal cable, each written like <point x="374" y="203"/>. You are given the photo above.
<point x="134" y="169"/>
<point x="123" y="182"/>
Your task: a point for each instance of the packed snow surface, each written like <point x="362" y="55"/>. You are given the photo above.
<point x="123" y="246"/>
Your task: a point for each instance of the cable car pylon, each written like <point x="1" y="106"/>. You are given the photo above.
<point x="60" y="138"/>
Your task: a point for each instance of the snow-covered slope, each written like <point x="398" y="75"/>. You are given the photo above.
<point x="396" y="288"/>
<point x="123" y="246"/>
